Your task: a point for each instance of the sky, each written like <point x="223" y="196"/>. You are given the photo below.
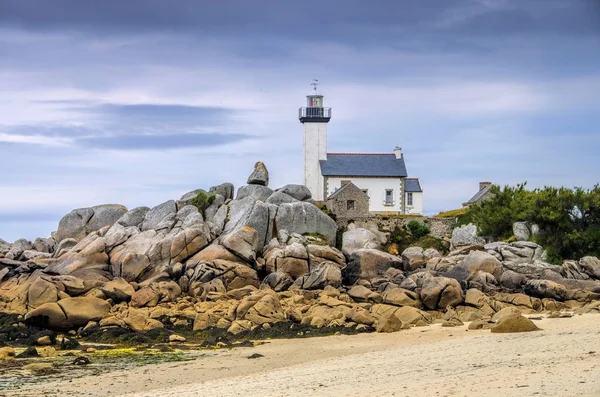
<point x="139" y="102"/>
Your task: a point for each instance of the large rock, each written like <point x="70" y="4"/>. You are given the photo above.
<point x="299" y="192"/>
<point x="359" y="238"/>
<point x="465" y="235"/>
<point x="224" y="189"/>
<point x="260" y="308"/>
<point x="401" y="297"/>
<point x="46" y="245"/>
<point x="305" y="218"/>
<point x="441" y="292"/>
<point x="40" y="292"/>
<point x="482" y="261"/>
<point x="150" y="253"/>
<point x="68" y="313"/>
<point x="260" y="175"/>
<point x="134" y="217"/>
<point x="80" y="222"/>
<point x="572" y="270"/>
<point x="414" y="258"/>
<point x="160" y="217"/>
<point x="407" y="314"/>
<point x="257" y="192"/>
<point x="233" y="275"/>
<point x="213" y="208"/>
<point x="390" y="324"/>
<point x="321" y="275"/>
<point x="4" y="247"/>
<point x="243" y="242"/>
<point x="591" y="265"/>
<point x="362" y="294"/>
<point x="514" y="323"/>
<point x="18" y="248"/>
<point x="87" y="260"/>
<point x="118" y="290"/>
<point x="368" y="264"/>
<point x="512" y="280"/>
<point x="324" y="253"/>
<point x="535" y="269"/>
<point x="247" y="212"/>
<point x="279" y="281"/>
<point x="521" y="231"/>
<point x="546" y="289"/>
<point x="278" y="198"/>
<point x="521" y="252"/>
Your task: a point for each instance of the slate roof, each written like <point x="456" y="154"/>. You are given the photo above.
<point x="363" y="164"/>
<point x="412" y="185"/>
<point x="481" y="193"/>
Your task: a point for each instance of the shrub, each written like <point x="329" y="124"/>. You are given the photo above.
<point x="418" y="229"/>
<point x="569" y="219"/>
<point x="432" y="242"/>
<point x="202" y="201"/>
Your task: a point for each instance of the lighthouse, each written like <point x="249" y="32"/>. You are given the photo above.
<point x="314" y="117"/>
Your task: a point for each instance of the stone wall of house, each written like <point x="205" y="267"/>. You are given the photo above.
<point x="440" y="227"/>
<point x="339" y="204"/>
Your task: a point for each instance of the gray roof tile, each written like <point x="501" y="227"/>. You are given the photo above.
<point x="363" y="164"/>
<point x="412" y="185"/>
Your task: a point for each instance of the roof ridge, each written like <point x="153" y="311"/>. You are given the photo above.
<point x="360" y="154"/>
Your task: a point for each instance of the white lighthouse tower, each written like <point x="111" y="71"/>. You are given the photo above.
<point x="314" y="117"/>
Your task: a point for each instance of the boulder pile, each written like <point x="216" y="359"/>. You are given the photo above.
<point x="264" y="257"/>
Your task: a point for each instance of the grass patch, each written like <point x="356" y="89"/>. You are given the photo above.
<point x="452" y="214"/>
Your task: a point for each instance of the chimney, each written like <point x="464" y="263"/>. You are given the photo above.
<point x="483" y="185"/>
<point x="398" y="152"/>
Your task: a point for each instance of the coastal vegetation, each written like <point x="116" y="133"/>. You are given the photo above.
<point x="568" y="219"/>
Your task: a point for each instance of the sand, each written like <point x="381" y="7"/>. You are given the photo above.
<point x="563" y="359"/>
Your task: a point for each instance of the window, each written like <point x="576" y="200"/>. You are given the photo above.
<point x="344" y="183"/>
<point x="409" y="198"/>
<point x="350" y="205"/>
<point x="389" y="197"/>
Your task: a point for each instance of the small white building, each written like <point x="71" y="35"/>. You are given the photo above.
<point x="382" y="176"/>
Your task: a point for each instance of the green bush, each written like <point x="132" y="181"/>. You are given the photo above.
<point x="431" y="242"/>
<point x="569" y="219"/>
<point x="202" y="201"/>
<point x="418" y="229"/>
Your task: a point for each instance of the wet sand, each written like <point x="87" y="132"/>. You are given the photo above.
<point x="563" y="359"/>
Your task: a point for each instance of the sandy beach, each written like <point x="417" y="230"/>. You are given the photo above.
<point x="563" y="359"/>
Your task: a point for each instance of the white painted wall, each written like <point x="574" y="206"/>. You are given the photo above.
<point x="315" y="149"/>
<point x="417" y="207"/>
<point x="376" y="187"/>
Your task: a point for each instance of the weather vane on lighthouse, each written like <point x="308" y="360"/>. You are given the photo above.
<point x="315" y="85"/>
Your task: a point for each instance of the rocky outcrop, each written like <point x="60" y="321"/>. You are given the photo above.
<point x="247" y="264"/>
<point x="80" y="222"/>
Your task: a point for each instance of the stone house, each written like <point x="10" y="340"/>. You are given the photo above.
<point x="348" y="202"/>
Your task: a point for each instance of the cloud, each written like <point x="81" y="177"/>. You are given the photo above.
<point x="32" y="140"/>
<point x="149" y="102"/>
<point x="170" y="141"/>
